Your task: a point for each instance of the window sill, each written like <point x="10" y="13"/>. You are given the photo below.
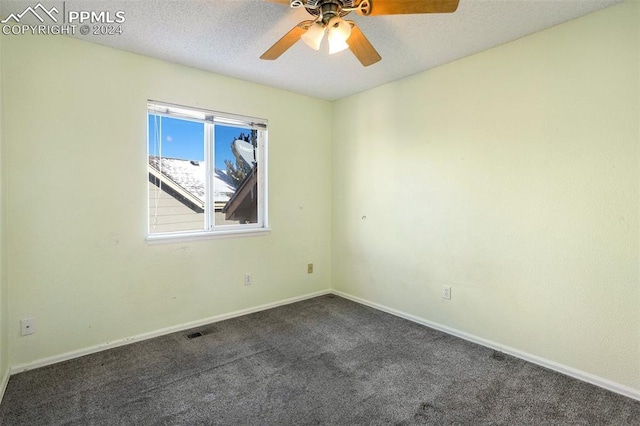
<point x="197" y="236"/>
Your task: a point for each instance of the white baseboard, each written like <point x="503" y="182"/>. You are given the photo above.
<point x="560" y="368"/>
<point x="144" y="336"/>
<point x="569" y="371"/>
<point x="4" y="383"/>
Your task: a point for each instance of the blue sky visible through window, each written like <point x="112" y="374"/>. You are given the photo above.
<point x="185" y="140"/>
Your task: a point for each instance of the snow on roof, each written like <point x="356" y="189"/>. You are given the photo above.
<point x="190" y="175"/>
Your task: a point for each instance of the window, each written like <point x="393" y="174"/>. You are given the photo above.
<point x="207" y="172"/>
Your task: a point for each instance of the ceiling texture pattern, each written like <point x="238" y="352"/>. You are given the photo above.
<point x="228" y="36"/>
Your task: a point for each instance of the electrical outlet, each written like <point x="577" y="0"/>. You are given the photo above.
<point x="309" y="268"/>
<point x="248" y="278"/>
<point x="446" y="292"/>
<point x="27" y="326"/>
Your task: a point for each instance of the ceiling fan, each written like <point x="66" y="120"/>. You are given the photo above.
<point x="343" y="34"/>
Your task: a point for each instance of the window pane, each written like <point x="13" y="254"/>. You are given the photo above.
<point x="235" y="183"/>
<point x="176" y="175"/>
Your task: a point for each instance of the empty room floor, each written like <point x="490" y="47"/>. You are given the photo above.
<point x="325" y="360"/>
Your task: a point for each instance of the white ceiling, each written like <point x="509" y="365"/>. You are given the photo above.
<point x="228" y="36"/>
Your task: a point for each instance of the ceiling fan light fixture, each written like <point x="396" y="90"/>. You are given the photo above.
<point x="338" y="34"/>
<point x="313" y="36"/>
<point x="337" y="45"/>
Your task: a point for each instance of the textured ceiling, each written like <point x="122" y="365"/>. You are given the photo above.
<point x="228" y="36"/>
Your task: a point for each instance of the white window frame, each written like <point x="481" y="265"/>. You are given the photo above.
<point x="210" y="119"/>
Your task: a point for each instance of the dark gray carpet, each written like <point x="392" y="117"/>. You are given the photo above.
<point x="321" y="361"/>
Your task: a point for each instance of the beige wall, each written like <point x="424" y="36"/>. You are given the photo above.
<point x="75" y="140"/>
<point x="513" y="177"/>
<point x="4" y="359"/>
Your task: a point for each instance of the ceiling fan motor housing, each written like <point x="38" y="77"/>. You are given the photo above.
<point x="327" y="8"/>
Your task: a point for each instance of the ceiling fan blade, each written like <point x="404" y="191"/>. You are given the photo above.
<point x="399" y="7"/>
<point x="288" y="40"/>
<point x="361" y="47"/>
<point x="284" y="2"/>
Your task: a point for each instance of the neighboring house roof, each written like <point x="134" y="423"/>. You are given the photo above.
<point x="186" y="177"/>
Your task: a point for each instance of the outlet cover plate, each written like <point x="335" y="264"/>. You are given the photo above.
<point x="446" y="292"/>
<point x="27" y="326"/>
